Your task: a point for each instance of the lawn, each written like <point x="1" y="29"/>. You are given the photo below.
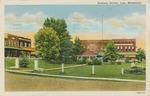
<point x="9" y="62"/>
<point x="106" y="70"/>
<point x="102" y="71"/>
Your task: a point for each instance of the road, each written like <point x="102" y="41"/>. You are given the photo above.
<point x="18" y="82"/>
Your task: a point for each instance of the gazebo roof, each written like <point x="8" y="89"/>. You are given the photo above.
<point x="87" y="53"/>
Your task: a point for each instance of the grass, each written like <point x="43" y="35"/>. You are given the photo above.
<point x="106" y="70"/>
<point x="102" y="71"/>
<point x="9" y="62"/>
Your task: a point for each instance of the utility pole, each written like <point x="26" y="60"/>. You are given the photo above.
<point x="102" y="41"/>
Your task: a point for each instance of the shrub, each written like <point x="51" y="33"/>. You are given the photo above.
<point x="89" y="62"/>
<point x="118" y="63"/>
<point x="127" y="60"/>
<point x="97" y="61"/>
<point x="80" y="61"/>
<point x="135" y="70"/>
<point x="23" y="62"/>
<point x="84" y="60"/>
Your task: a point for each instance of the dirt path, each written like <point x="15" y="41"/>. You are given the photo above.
<point x="16" y="82"/>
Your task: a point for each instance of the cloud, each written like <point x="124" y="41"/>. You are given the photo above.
<point x="134" y="20"/>
<point x="25" y="22"/>
<point x="80" y="22"/>
<point x="82" y="19"/>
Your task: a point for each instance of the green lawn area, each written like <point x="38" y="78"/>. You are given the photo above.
<point x="103" y="71"/>
<point x="9" y="62"/>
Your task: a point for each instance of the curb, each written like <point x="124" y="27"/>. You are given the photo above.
<point x="76" y="77"/>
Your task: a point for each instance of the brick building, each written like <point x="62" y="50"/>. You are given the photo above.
<point x="15" y="44"/>
<point x="125" y="47"/>
<point x="95" y="46"/>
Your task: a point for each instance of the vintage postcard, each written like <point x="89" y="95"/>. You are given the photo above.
<point x="96" y="48"/>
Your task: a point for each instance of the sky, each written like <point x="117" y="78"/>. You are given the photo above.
<point x="88" y="22"/>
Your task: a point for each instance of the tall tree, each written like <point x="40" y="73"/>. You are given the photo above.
<point x="60" y="26"/>
<point x="140" y="54"/>
<point x="111" y="52"/>
<point x="67" y="50"/>
<point x="47" y="43"/>
<point x="77" y="47"/>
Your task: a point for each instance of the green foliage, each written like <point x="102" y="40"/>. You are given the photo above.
<point x="84" y="60"/>
<point x="67" y="50"/>
<point x="80" y="61"/>
<point x="135" y="70"/>
<point x="118" y="63"/>
<point x="140" y="54"/>
<point x="77" y="48"/>
<point x="23" y="61"/>
<point x="60" y="27"/>
<point x="127" y="60"/>
<point x="111" y="53"/>
<point x="97" y="61"/>
<point x="47" y="43"/>
<point x="89" y="61"/>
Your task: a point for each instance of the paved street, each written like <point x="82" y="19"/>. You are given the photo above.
<point x="16" y="82"/>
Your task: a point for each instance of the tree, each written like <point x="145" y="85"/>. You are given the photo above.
<point x="111" y="52"/>
<point x="47" y="43"/>
<point x="140" y="54"/>
<point x="67" y="50"/>
<point x="77" y="47"/>
<point x="60" y="26"/>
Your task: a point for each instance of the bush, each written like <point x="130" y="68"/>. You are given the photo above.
<point x="23" y="62"/>
<point x="80" y="61"/>
<point x="89" y="62"/>
<point x="127" y="60"/>
<point x="135" y="70"/>
<point x="84" y="60"/>
<point x="118" y="63"/>
<point x="97" y="61"/>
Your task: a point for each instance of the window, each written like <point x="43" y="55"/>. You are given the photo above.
<point x="21" y="44"/>
<point x="29" y="45"/>
<point x="132" y="47"/>
<point x="129" y="47"/>
<point x="121" y="47"/>
<point x="118" y="47"/>
<point x="15" y="43"/>
<point x="9" y="42"/>
<point x="25" y="44"/>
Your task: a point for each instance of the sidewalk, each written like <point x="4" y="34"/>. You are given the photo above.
<point x="76" y="77"/>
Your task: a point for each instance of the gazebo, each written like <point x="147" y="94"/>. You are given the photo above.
<point x="86" y="53"/>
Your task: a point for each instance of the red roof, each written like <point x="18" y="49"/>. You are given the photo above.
<point x="88" y="53"/>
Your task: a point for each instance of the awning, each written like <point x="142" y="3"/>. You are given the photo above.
<point x="14" y="48"/>
<point x="127" y="53"/>
<point x="33" y="53"/>
<point x="28" y="49"/>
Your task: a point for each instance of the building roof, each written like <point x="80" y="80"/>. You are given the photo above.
<point x="87" y="53"/>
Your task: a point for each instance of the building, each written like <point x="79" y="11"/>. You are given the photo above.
<point x="95" y="46"/>
<point x="125" y="47"/>
<point x="15" y="44"/>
